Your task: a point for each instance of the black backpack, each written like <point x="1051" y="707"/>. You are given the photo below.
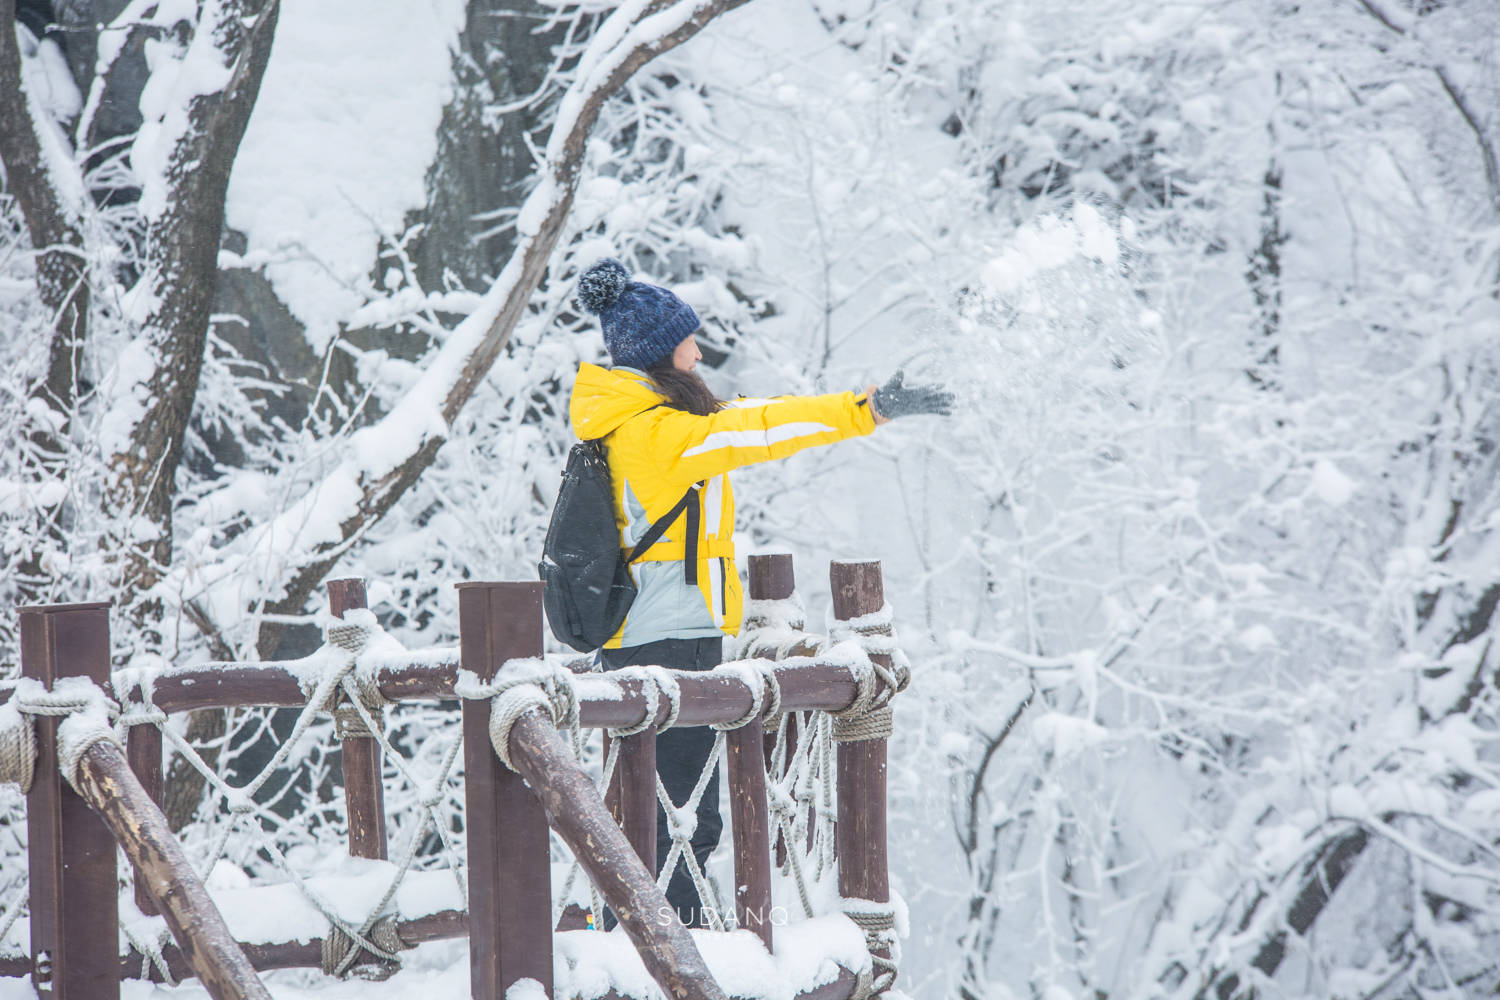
<point x="586" y="584"/>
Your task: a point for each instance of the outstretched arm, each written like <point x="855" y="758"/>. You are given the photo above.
<point x="690" y="448"/>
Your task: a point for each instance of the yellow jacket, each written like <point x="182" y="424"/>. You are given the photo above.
<point x="657" y="453"/>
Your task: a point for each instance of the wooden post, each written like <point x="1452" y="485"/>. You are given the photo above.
<point x="860" y="839"/>
<point x="510" y="877"/>
<point x="143" y="749"/>
<point x="572" y="806"/>
<point x="631" y="796"/>
<point x="364" y="789"/>
<point x="750" y="820"/>
<point x="75" y="914"/>
<point x="773" y="578"/>
<point x="106" y="782"/>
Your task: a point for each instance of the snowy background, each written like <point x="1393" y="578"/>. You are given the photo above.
<point x="1199" y="583"/>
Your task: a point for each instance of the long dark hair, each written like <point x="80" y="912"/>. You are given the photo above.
<point x="684" y="390"/>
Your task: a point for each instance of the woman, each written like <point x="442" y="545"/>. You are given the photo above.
<point x="666" y="435"/>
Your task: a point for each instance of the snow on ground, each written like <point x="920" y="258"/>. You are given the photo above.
<point x="339" y="144"/>
<point x="586" y="964"/>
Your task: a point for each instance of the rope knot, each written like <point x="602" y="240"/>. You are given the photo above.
<point x="881" y="673"/>
<point x="656" y="683"/>
<point x="353" y="634"/>
<point x="87" y="715"/>
<point x="341" y="949"/>
<point x="17" y="748"/>
<point x="765" y="692"/>
<point x="348" y="723"/>
<point x="519" y="687"/>
<point x="350" y="636"/>
<point x="878" y="922"/>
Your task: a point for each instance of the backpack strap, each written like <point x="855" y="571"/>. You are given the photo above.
<point x="688" y="503"/>
<point x="660" y="525"/>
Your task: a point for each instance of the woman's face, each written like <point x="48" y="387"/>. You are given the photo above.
<point x="686" y="355"/>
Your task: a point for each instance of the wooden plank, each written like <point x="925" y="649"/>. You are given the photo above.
<point x="275" y="685"/>
<point x="364" y="787"/>
<point x="749" y="819"/>
<point x="106" y="782"/>
<point x="440" y="926"/>
<point x="238" y="686"/>
<point x="860" y="838"/>
<point x="75" y="919"/>
<point x="573" y="807"/>
<point x="417" y="681"/>
<point x="510" y="891"/>
<point x="143" y="748"/>
<point x="604" y="701"/>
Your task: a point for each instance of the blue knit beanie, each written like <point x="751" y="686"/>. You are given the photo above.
<point x="642" y="323"/>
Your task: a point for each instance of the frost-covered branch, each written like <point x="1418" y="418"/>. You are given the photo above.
<point x="1461" y="101"/>
<point x="385" y="459"/>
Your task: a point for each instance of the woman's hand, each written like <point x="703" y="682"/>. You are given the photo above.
<point x="897" y="400"/>
<point x="870" y="402"/>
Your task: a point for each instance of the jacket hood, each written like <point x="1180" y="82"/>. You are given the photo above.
<point x="604" y="398"/>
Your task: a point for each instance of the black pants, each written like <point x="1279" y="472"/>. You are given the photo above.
<point x="680" y="756"/>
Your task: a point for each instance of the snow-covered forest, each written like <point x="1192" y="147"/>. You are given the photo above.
<point x="1199" y="583"/>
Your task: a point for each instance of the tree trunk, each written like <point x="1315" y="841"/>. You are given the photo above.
<point x="182" y="240"/>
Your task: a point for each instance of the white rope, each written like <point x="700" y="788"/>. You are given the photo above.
<point x="878" y="921"/>
<point x="74" y="742"/>
<point x="799" y="789"/>
<point x="521" y="686"/>
<point x="85" y="712"/>
<point x="240" y="805"/>
<point x="14" y="906"/>
<point x="656" y="683"/>
<point x="17" y="749"/>
<point x="783" y="807"/>
<point x="869" y="716"/>
<point x="372" y="926"/>
<point x="606" y="775"/>
<point x="682" y="822"/>
<point x="765" y="691"/>
<point x="345" y="941"/>
<point x="358" y="703"/>
<point x="151" y="954"/>
<point x="340" y="950"/>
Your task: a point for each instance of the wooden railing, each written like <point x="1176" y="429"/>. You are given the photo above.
<point x="114" y="798"/>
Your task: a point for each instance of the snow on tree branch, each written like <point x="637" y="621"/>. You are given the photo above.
<point x="286" y="558"/>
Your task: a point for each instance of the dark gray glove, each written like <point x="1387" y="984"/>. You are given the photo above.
<point x="894" y="400"/>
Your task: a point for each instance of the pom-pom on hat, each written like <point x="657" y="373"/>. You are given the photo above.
<point x="642" y="323"/>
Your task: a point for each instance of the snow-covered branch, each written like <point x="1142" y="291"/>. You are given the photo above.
<point x="383" y="460"/>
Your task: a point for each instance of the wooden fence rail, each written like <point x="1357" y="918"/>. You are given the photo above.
<point x="508" y="812"/>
